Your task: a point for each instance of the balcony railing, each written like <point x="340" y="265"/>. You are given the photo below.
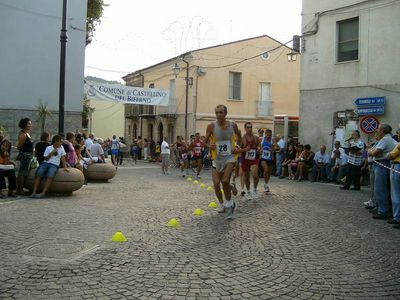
<point x="132" y="111"/>
<point x="264" y="108"/>
<point x="168" y="110"/>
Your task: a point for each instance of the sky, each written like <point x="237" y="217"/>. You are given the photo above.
<point x="136" y="34"/>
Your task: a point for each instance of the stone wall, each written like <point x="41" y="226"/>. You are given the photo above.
<point x="9" y="118"/>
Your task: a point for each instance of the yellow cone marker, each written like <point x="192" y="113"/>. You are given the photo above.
<point x="189" y="179"/>
<point x="210" y="189"/>
<point x="195" y="182"/>
<point x="173" y="223"/>
<point x="198" y="212"/>
<point x="213" y="204"/>
<point x="203" y="185"/>
<point x="118" y="237"/>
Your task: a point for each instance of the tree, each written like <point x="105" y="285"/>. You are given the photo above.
<point x="43" y="113"/>
<point x="94" y="13"/>
<point x="87" y="113"/>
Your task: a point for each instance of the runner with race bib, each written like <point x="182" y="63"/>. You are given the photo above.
<point x="223" y="136"/>
<point x="250" y="160"/>
<point x="197" y="147"/>
<point x="267" y="148"/>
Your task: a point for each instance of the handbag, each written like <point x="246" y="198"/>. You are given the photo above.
<point x="34" y="163"/>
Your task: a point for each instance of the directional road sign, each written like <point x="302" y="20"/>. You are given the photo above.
<point x="377" y="101"/>
<point x="370" y="110"/>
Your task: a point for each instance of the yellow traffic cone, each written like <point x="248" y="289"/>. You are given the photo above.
<point x="203" y="185"/>
<point x="195" y="182"/>
<point x="118" y="237"/>
<point x="173" y="223"/>
<point x="189" y="179"/>
<point x="198" y="212"/>
<point x="213" y="204"/>
<point x="210" y="189"/>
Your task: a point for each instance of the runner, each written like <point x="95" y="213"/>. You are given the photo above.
<point x="222" y="135"/>
<point x="267" y="147"/>
<point x="250" y="160"/>
<point x="182" y="150"/>
<point x="114" y="150"/>
<point x="196" y="148"/>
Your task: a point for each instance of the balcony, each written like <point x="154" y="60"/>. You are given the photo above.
<point x="168" y="111"/>
<point x="132" y="111"/>
<point x="264" y="108"/>
<point x="147" y="111"/>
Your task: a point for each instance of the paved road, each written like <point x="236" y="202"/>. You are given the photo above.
<point x="303" y="241"/>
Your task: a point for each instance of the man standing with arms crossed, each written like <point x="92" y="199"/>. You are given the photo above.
<point x="223" y="136"/>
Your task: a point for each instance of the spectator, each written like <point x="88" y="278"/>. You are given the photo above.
<point x="385" y="144"/>
<point x="290" y="156"/>
<point x="280" y="154"/>
<point x="146" y="150"/>
<point x="371" y="203"/>
<point x="97" y="150"/>
<point x="354" y="162"/>
<point x="394" y="156"/>
<point x="41" y="146"/>
<point x="7" y="169"/>
<point x="165" y="152"/>
<point x="321" y="165"/>
<point x="294" y="163"/>
<point x="71" y="157"/>
<point x="306" y="162"/>
<point x="338" y="170"/>
<point x="397" y="135"/>
<point x="140" y="145"/>
<point x="89" y="142"/>
<point x="25" y="147"/>
<point x="134" y="150"/>
<point x="48" y="169"/>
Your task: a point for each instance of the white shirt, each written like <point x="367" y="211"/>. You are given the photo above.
<point x="281" y="144"/>
<point x="321" y="158"/>
<point x="341" y="150"/>
<point x="88" y="143"/>
<point x="96" y="150"/>
<point x="165" y="148"/>
<point x="54" y="159"/>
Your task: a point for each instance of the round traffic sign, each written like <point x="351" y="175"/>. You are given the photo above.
<point x="369" y="124"/>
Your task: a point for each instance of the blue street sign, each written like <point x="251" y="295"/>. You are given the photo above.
<point x="370" y="101"/>
<point x="370" y="110"/>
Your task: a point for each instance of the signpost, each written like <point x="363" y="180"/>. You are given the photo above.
<point x="369" y="124"/>
<point x="370" y="110"/>
<point x="370" y="106"/>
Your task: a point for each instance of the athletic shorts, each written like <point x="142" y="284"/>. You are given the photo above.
<point x="246" y="164"/>
<point x="114" y="151"/>
<point x="269" y="162"/>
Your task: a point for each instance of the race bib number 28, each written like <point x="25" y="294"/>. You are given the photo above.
<point x="224" y="148"/>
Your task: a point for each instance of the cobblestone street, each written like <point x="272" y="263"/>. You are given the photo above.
<point x="303" y="241"/>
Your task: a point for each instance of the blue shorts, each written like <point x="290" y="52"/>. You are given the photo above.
<point x="46" y="170"/>
<point x="114" y="151"/>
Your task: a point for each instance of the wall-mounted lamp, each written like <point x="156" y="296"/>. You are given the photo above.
<point x="176" y="69"/>
<point x="292" y="56"/>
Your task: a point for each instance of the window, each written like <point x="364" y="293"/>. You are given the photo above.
<point x="235" y="83"/>
<point x="151" y="86"/>
<point x="347" y="48"/>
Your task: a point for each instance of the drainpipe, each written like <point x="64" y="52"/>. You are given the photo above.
<point x="141" y="118"/>
<point x="186" y="97"/>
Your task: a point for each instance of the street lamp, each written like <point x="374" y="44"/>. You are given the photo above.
<point x="292" y="56"/>
<point x="188" y="81"/>
<point x="63" y="40"/>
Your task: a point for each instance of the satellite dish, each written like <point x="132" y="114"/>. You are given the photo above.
<point x="201" y="71"/>
<point x="265" y="55"/>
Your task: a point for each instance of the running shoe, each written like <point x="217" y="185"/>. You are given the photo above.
<point x="198" y="177"/>
<point x="266" y="188"/>
<point x="248" y="196"/>
<point x="242" y="193"/>
<point x="230" y="213"/>
<point x="256" y="195"/>
<point x="234" y="189"/>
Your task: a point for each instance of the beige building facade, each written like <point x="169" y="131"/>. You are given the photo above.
<point x="252" y="77"/>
